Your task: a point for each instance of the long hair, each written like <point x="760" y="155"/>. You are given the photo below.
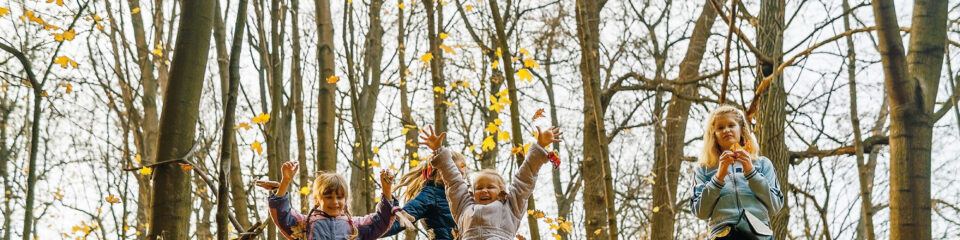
<point x="418" y="176"/>
<point x="334" y="183"/>
<point x="711" y="149"/>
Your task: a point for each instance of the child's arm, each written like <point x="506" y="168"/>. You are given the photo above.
<point x="763" y="183"/>
<point x="374" y="225"/>
<point x="706" y="191"/>
<point x="287" y="221"/>
<point x="457" y="194"/>
<point x="416" y="208"/>
<point x="526" y="177"/>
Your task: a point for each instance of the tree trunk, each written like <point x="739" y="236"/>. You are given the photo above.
<point x="326" y="105"/>
<point x="406" y="112"/>
<point x="228" y="146"/>
<point x="149" y="124"/>
<point x="771" y="115"/>
<point x="667" y="161"/>
<point x="436" y="64"/>
<point x="171" y="208"/>
<point x="911" y="83"/>
<point x="864" y="169"/>
<point x="364" y="111"/>
<point x="595" y="171"/>
<point x="6" y="107"/>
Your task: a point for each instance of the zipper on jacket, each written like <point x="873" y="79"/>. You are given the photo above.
<point x="736" y="190"/>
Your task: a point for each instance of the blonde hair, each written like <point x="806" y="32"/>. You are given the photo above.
<point x="333" y="183"/>
<point x="711" y="149"/>
<point x="414" y="180"/>
<point x="502" y="184"/>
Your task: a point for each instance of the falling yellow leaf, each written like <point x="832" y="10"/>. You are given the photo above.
<point x="468" y="7"/>
<point x="4" y="11"/>
<point x="136" y="158"/>
<point x="557" y="236"/>
<point x="524" y="75"/>
<point x="65" y="36"/>
<point x="438" y="90"/>
<point x="263" y="118"/>
<point x="443" y="35"/>
<point x="186" y="167"/>
<point x="488" y="144"/>
<point x="243" y="125"/>
<point x="447" y="103"/>
<point x="404" y="131"/>
<point x="524" y="51"/>
<point x="492" y="128"/>
<point x="44" y="94"/>
<point x="496" y="64"/>
<point x="256" y="147"/>
<point x="158" y="50"/>
<point x="656" y="209"/>
<point x="426" y="58"/>
<point x="414" y="163"/>
<point x="498" y="53"/>
<point x="59" y="2"/>
<point x="530" y="63"/>
<point x="304" y="190"/>
<point x="64" y="61"/>
<point x="333" y="79"/>
<point x="145" y="170"/>
<point x="515" y="150"/>
<point x="503" y="136"/>
<point x="69" y="88"/>
<point x="376" y="150"/>
<point x="447" y="49"/>
<point x="373" y="163"/>
<point x="111" y="199"/>
<point x="58" y="194"/>
<point x="400" y="5"/>
<point x="472" y="147"/>
<point x="135" y="11"/>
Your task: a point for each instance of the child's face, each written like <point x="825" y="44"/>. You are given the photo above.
<point x="332" y="203"/>
<point x="727" y="130"/>
<point x="486" y="190"/>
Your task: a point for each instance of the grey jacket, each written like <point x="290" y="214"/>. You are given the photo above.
<point x="499" y="219"/>
<point x="721" y="201"/>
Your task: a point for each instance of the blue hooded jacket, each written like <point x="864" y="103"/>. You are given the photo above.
<point x="430" y="203"/>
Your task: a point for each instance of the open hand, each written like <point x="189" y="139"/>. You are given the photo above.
<point x="386" y="180"/>
<point x="431" y="139"/>
<point x="289" y="169"/>
<point x="545" y="138"/>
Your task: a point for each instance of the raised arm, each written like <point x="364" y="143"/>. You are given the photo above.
<point x="526" y="178"/>
<point x="458" y="195"/>
<point x="374" y="225"/>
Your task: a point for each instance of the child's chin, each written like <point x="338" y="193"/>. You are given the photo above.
<point x="333" y="212"/>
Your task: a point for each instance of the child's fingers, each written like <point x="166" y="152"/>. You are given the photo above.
<point x="432" y="133"/>
<point x="423" y="143"/>
<point x="539" y="133"/>
<point x="442" y="135"/>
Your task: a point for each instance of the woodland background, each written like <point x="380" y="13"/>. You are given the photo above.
<point x="117" y="118"/>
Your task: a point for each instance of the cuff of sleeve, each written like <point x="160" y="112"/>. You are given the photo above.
<point x="751" y="174"/>
<point x="385" y="205"/>
<point x="716" y="182"/>
<point x="538" y="153"/>
<point x="274" y="201"/>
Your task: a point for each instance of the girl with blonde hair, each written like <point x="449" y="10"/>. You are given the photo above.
<point x="736" y="190"/>
<point x="330" y="217"/>
<point x="426" y="199"/>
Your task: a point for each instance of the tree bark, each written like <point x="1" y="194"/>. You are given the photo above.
<point x="171" y="208"/>
<point x="228" y="146"/>
<point x="598" y="224"/>
<point x="364" y="96"/>
<point x="436" y="64"/>
<point x="864" y="169"/>
<point x="771" y="115"/>
<point x="667" y="161"/>
<point x="911" y="83"/>
<point x="326" y="105"/>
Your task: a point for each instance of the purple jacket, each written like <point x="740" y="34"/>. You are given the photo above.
<point x="323" y="227"/>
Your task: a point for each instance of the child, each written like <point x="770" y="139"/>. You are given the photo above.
<point x="330" y="218"/>
<point x="490" y="212"/>
<point x="735" y="189"/>
<point x="427" y="199"/>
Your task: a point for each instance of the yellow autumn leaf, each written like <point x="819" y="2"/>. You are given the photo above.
<point x="65" y="36"/>
<point x="503" y="93"/>
<point x="304" y="190"/>
<point x="111" y="199"/>
<point x="65" y="61"/>
<point x="243" y="125"/>
<point x="44" y="94"/>
<point x="530" y="63"/>
<point x="59" y="2"/>
<point x="496" y="64"/>
<point x="4" y="11"/>
<point x="158" y="50"/>
<point x="488" y="144"/>
<point x="373" y="163"/>
<point x="656" y="209"/>
<point x="135" y="11"/>
<point x="438" y="90"/>
<point x="514" y="150"/>
<point x="400" y="5"/>
<point x="136" y="158"/>
<point x="496" y="108"/>
<point x="492" y="128"/>
<point x="503" y="136"/>
<point x="145" y="170"/>
<point x="447" y="103"/>
<point x="524" y="75"/>
<point x="557" y="236"/>
<point x="414" y="163"/>
<point x="447" y="49"/>
<point x="499" y="53"/>
<point x="468" y="7"/>
<point x="333" y="79"/>
<point x="443" y="35"/>
<point x="376" y="150"/>
<point x="404" y="131"/>
<point x="69" y="88"/>
<point x="263" y="118"/>
<point x="426" y="58"/>
<point x="524" y="51"/>
<point x="256" y="147"/>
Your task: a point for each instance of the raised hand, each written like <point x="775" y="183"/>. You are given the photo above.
<point x="386" y="179"/>
<point x="726" y="159"/>
<point x="289" y="169"/>
<point x="431" y="139"/>
<point x="545" y="138"/>
<point x="744" y="158"/>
